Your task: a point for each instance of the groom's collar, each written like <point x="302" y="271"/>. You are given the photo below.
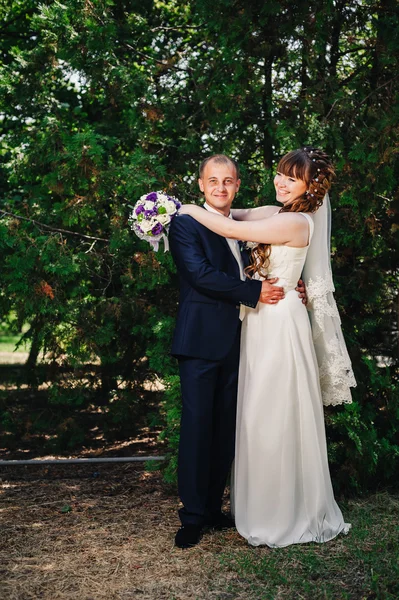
<point x="211" y="209"/>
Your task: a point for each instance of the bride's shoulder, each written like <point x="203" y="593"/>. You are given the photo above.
<point x="270" y="211"/>
<point x="293" y="217"/>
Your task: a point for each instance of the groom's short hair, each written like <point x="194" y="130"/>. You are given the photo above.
<point x="221" y="159"/>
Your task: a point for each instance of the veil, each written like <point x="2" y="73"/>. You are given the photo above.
<point x="335" y="368"/>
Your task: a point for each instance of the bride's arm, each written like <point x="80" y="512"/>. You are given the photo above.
<point x="253" y="214"/>
<point x="280" y="229"/>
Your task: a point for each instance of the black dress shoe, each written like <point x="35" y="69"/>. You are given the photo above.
<point x="220" y="522"/>
<point x="188" y="536"/>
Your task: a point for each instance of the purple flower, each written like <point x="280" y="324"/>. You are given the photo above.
<point x="151" y="213"/>
<point x="152" y="196"/>
<point x="157" y="229"/>
<point x="177" y="203"/>
<point x="139" y="209"/>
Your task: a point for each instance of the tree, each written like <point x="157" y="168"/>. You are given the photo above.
<point x="105" y="100"/>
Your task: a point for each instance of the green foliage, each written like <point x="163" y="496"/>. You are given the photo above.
<point x="172" y="410"/>
<point x="363" y="447"/>
<point x="363" y="564"/>
<point x="103" y="101"/>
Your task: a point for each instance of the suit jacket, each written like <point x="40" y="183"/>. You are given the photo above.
<point x="211" y="291"/>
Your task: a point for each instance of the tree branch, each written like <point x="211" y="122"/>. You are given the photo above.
<point x="378" y="88"/>
<point x="177" y="28"/>
<point x="164" y="63"/>
<point x="352" y="50"/>
<point x="6" y="24"/>
<point x="56" y="229"/>
<point x="354" y="73"/>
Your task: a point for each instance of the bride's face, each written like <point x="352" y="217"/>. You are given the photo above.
<point x="288" y="189"/>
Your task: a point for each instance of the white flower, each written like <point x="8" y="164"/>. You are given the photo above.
<point x="170" y="207"/>
<point x="163" y="219"/>
<point x="147" y="225"/>
<point x="149" y="205"/>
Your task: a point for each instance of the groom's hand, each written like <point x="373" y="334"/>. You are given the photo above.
<point x="302" y="292"/>
<point x="271" y="294"/>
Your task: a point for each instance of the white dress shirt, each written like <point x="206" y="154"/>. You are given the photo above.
<point x="236" y="252"/>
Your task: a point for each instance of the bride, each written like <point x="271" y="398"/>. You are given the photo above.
<point x="289" y="364"/>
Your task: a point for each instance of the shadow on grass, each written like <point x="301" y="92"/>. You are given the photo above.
<point x="36" y="423"/>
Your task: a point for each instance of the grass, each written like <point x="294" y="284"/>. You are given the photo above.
<point x="362" y="565"/>
<point x="106" y="532"/>
<point x="8" y="343"/>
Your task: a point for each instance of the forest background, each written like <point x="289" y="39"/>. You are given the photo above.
<point x="104" y="100"/>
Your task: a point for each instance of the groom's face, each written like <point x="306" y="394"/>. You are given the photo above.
<point x="219" y="183"/>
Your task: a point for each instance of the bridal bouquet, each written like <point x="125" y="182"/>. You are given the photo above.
<point x="151" y="217"/>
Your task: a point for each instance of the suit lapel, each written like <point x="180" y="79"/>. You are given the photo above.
<point x="231" y="256"/>
<point x="227" y="248"/>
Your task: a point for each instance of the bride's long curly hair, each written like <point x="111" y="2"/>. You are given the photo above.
<point x="314" y="167"/>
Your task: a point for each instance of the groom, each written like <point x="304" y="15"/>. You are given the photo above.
<point x="213" y="287"/>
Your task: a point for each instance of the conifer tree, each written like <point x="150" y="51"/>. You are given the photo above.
<point x="103" y="101"/>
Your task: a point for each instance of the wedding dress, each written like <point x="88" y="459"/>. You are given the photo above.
<point x="282" y="492"/>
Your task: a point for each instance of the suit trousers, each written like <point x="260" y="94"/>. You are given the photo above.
<point x="207" y="434"/>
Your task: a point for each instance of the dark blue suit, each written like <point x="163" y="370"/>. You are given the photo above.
<point x="207" y="344"/>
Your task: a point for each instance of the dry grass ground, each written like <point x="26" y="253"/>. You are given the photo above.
<point x="102" y="532"/>
<point x="106" y="532"/>
<point x="11" y="357"/>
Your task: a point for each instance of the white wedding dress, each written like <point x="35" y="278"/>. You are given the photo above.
<point x="282" y="491"/>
